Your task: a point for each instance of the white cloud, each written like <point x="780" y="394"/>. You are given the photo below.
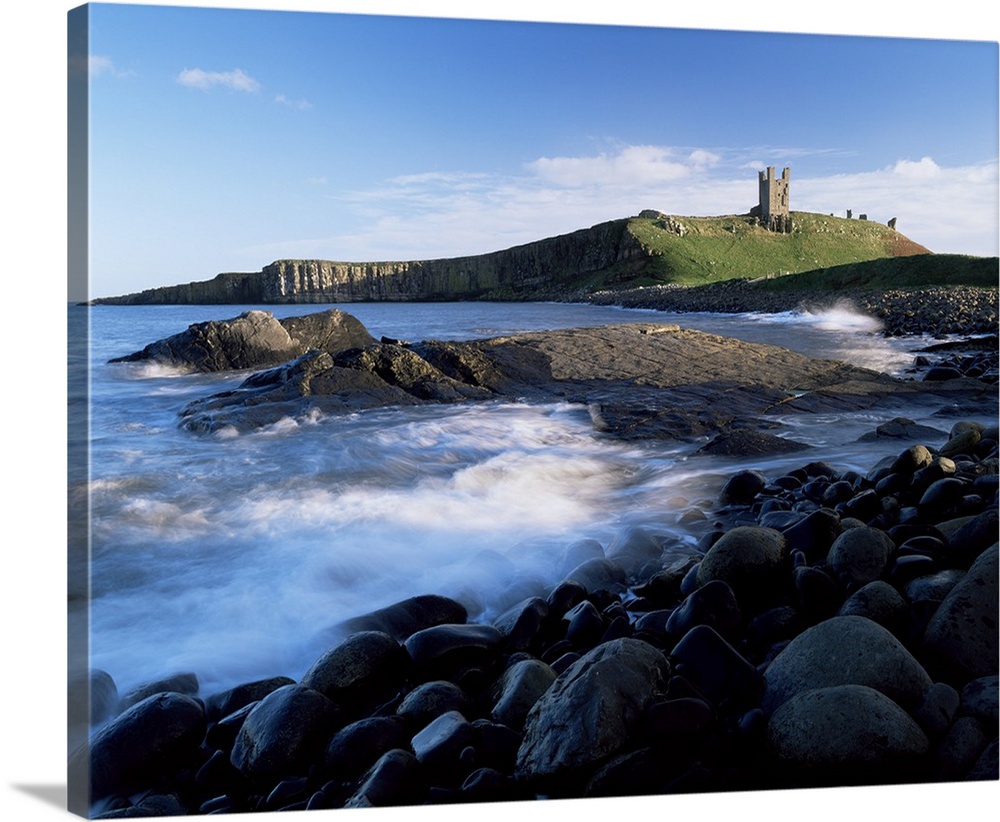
<point x="631" y="166"/>
<point x="99" y="65"/>
<point x="300" y="105"/>
<point x="452" y="214"/>
<point x="923" y="169"/>
<point x="237" y="80"/>
<point x="702" y="160"/>
<point x="948" y="210"/>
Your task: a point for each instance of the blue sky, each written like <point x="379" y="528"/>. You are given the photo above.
<point x="223" y="139"/>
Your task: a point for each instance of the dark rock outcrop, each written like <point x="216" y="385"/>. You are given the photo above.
<point x="639" y="381"/>
<point x="254" y="339"/>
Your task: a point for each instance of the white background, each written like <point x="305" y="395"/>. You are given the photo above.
<point x="33" y="266"/>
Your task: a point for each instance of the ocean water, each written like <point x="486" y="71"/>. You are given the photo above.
<point x="236" y="557"/>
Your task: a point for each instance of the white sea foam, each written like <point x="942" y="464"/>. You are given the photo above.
<point x="843" y="315"/>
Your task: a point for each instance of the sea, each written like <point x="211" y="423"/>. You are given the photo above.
<point x="238" y="556"/>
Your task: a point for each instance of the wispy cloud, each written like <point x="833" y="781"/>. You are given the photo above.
<point x="949" y="210"/>
<point x="631" y="165"/>
<point x="236" y="80"/>
<point x="449" y="214"/>
<point x="100" y="65"/>
<point x="298" y="105"/>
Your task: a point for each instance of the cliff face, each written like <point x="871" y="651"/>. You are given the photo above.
<point x="519" y="271"/>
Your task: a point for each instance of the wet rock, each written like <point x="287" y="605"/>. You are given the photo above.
<point x="964" y="439"/>
<point x="859" y="556"/>
<point x="714" y="604"/>
<point x="937" y="710"/>
<point x="444" y="651"/>
<point x="518" y="689"/>
<point x="932" y="587"/>
<point x="749" y="559"/>
<point x="962" y="746"/>
<point x="150" y="805"/>
<point x="940" y="496"/>
<point x="912" y="460"/>
<point x="980" y="699"/>
<point x="825" y="736"/>
<point x="222" y="734"/>
<point x="743" y="442"/>
<point x="814" y="534"/>
<point x="521" y="624"/>
<point x="231" y="700"/>
<point x="440" y="744"/>
<point x="632" y="548"/>
<point x="845" y="650"/>
<point x="973" y="536"/>
<point x="360" y="673"/>
<point x="599" y="575"/>
<point x="988" y="764"/>
<point x="742" y="487"/>
<point x="902" y="428"/>
<point x="584" y="625"/>
<point x="142" y="745"/>
<point x="960" y="642"/>
<point x="592" y="711"/>
<point x="881" y="603"/>
<point x="284" y="733"/>
<point x="254" y="339"/>
<point x="356" y="747"/>
<point x="93" y="697"/>
<point x="395" y="779"/>
<point x="564" y="596"/>
<point x="717" y="669"/>
<point x="183" y="683"/>
<point x="404" y="618"/>
<point x="430" y="700"/>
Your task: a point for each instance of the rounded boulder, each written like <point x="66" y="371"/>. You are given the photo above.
<point x="845" y="732"/>
<point x="592" y="711"/>
<point x="859" y="556"/>
<point x="845" y="650"/>
<point x="750" y="559"/>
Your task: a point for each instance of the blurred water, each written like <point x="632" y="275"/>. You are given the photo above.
<point x="235" y="557"/>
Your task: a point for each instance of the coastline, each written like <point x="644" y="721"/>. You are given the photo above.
<point x="704" y="699"/>
<point x="419" y="705"/>
<point x="962" y="310"/>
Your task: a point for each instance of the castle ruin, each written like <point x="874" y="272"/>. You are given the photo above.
<point x="772" y="211"/>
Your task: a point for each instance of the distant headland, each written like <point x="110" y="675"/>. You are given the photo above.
<point x="648" y="249"/>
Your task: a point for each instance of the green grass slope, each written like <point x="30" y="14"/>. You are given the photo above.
<point x="712" y="249"/>
<point x="917" y="271"/>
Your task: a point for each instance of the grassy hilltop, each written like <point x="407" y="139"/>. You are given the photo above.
<point x="712" y="249"/>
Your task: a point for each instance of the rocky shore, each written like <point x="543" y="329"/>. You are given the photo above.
<point x="833" y="628"/>
<point x="639" y="380"/>
<point x="934" y="311"/>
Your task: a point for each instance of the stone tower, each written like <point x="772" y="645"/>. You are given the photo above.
<point x="774" y="200"/>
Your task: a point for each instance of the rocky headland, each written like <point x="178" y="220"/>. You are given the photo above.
<point x="616" y="254"/>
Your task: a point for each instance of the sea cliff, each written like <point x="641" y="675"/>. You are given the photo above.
<point x="512" y="273"/>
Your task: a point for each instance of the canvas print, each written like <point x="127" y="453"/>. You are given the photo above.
<point x="471" y="411"/>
